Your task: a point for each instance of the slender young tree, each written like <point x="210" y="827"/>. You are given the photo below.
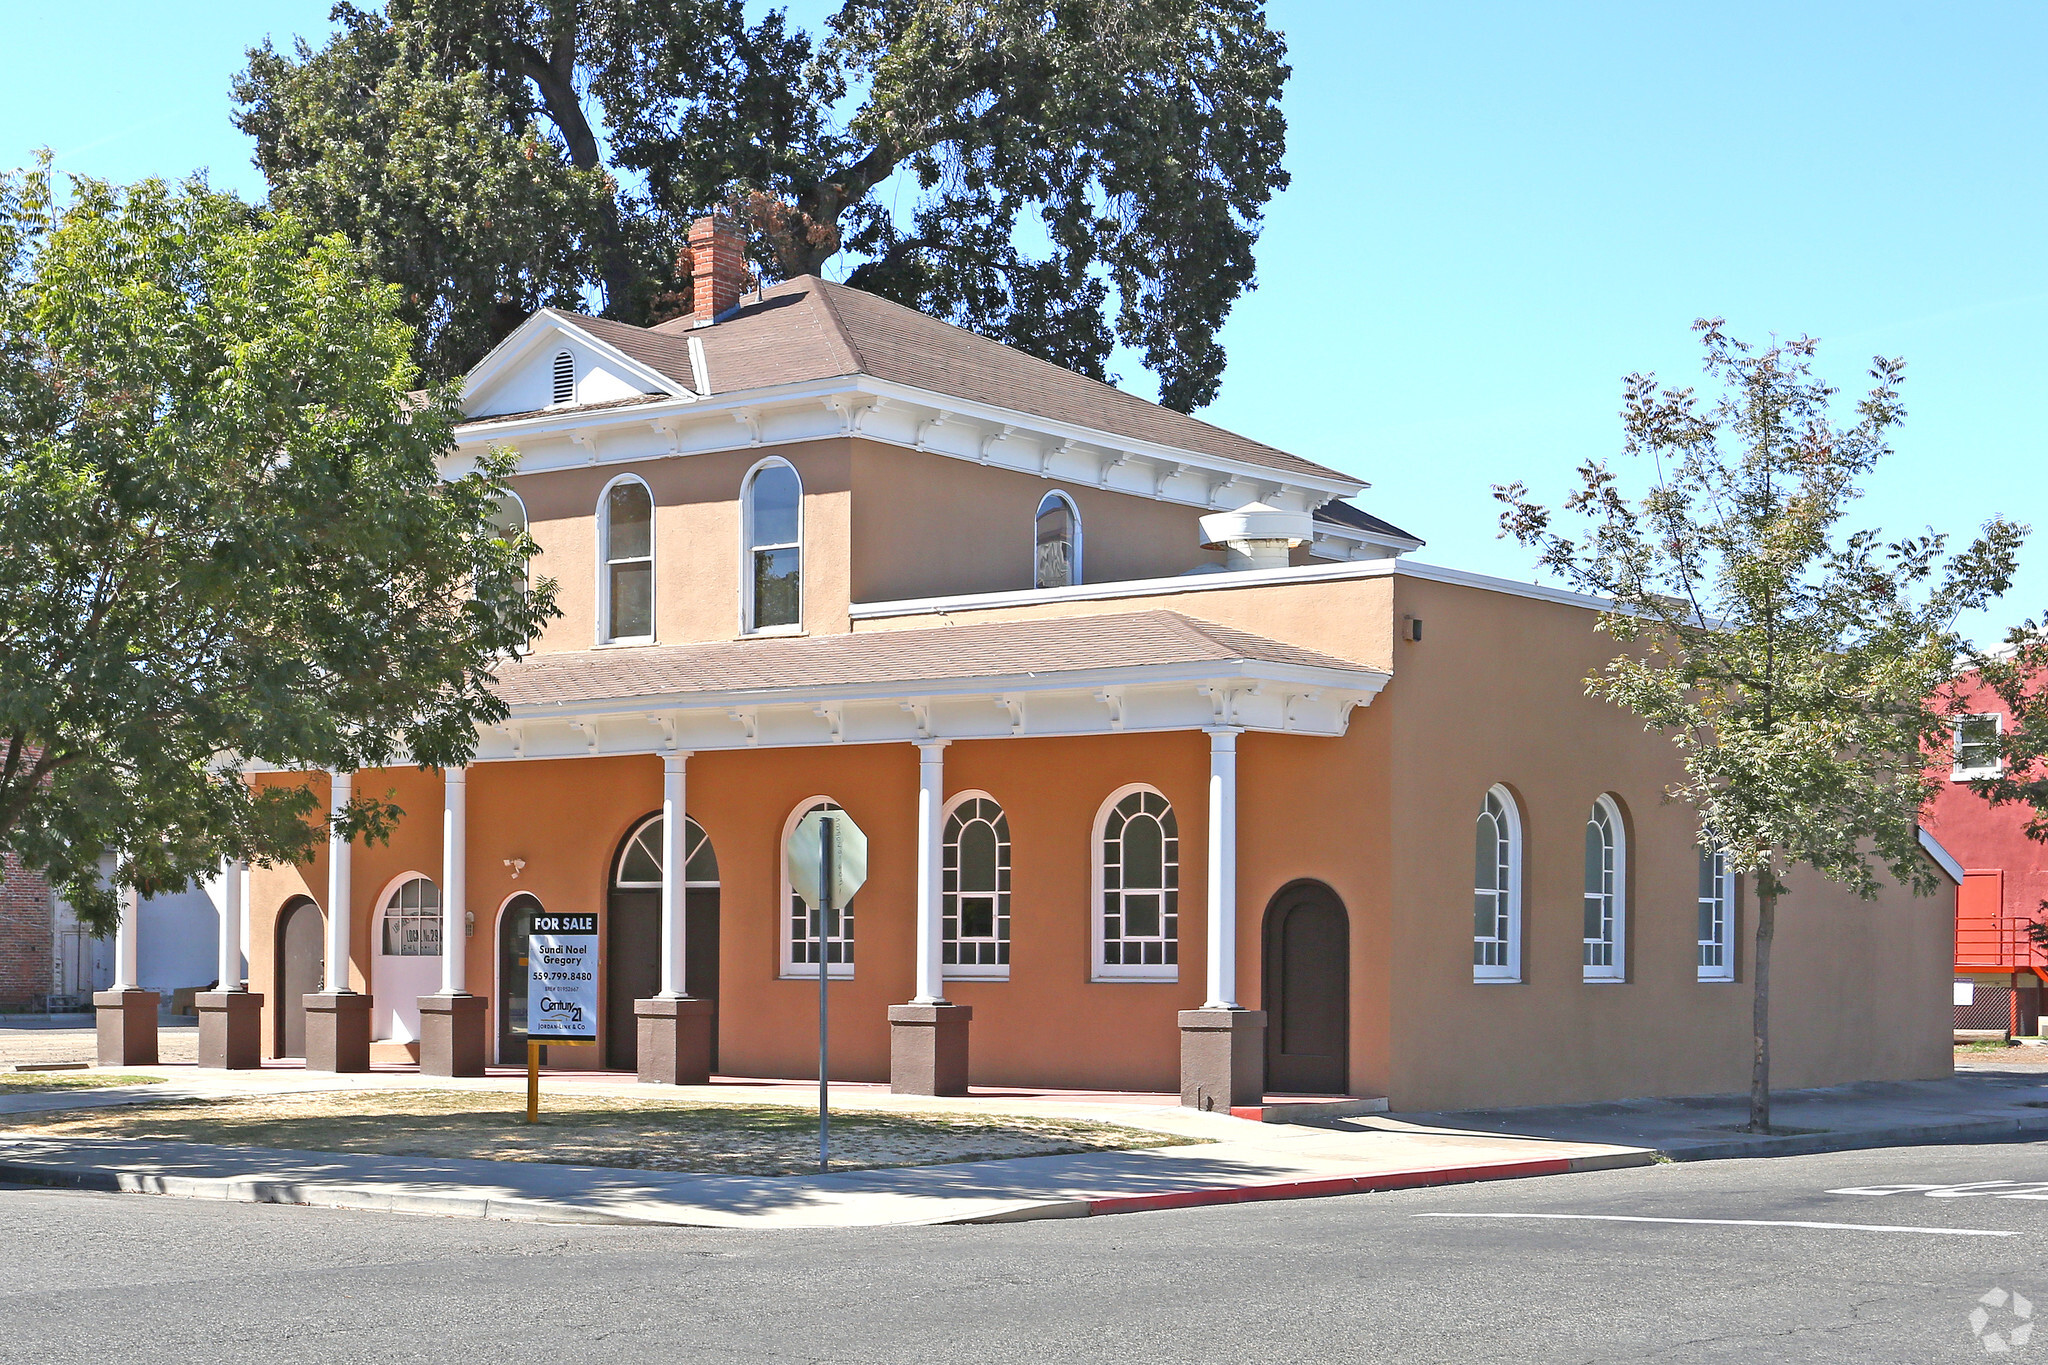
<point x="1800" y="667"/>
<point x="1063" y="177"/>
<point x="226" y="538"/>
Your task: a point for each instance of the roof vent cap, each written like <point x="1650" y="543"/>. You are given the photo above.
<point x="1256" y="536"/>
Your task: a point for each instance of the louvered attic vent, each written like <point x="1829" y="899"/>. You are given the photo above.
<point x="565" y="378"/>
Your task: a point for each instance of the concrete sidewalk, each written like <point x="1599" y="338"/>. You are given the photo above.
<point x="1240" y="1161"/>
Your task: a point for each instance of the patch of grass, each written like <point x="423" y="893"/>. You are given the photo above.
<point x="1982" y="1045"/>
<point x="593" y="1130"/>
<point x="19" y="1082"/>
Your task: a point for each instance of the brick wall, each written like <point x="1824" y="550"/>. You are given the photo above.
<point x="25" y="947"/>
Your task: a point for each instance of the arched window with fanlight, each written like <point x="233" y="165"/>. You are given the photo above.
<point x="1605" y="955"/>
<point x="639" y="866"/>
<point x="975" y="889"/>
<point x="411" y="926"/>
<point x="626" y="567"/>
<point x="1497" y="889"/>
<point x="1137" y="888"/>
<point x="1056" y="542"/>
<point x="772" y="524"/>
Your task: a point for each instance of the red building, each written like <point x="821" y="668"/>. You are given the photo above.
<point x="1999" y="966"/>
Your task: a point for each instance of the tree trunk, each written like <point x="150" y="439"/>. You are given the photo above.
<point x="1760" y="1063"/>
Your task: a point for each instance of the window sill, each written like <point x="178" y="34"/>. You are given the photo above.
<point x="975" y="976"/>
<point x="1975" y="774"/>
<point x="808" y="973"/>
<point x="1496" y="980"/>
<point x="629" y="642"/>
<point x="773" y="633"/>
<point x="1717" y="980"/>
<point x="1604" y="980"/>
<point x="1163" y="978"/>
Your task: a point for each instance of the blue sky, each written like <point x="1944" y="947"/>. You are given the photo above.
<point x="1497" y="211"/>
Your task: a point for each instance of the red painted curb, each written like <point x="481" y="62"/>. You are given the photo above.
<point x="1327" y="1186"/>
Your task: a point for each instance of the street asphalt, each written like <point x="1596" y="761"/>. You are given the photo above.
<point x="1769" y="1260"/>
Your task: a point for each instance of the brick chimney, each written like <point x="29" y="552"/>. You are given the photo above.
<point x="718" y="267"/>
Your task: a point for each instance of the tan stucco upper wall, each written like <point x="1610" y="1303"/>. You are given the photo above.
<point x="1350" y="618"/>
<point x="1495" y="692"/>
<point x="929" y="525"/>
<point x="697" y="552"/>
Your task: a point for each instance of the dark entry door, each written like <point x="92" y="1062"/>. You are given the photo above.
<point x="1308" y="991"/>
<point x="301" y="964"/>
<point x="633" y="967"/>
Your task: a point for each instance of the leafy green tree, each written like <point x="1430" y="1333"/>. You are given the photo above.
<point x="1078" y="175"/>
<point x="1802" y="669"/>
<point x="227" y="538"/>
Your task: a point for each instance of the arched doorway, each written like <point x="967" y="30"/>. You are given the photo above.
<point x="1307" y="991"/>
<point x="632" y="946"/>
<point x="301" y="970"/>
<point x="515" y="925"/>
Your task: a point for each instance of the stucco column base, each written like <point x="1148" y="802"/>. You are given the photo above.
<point x="675" y="1040"/>
<point x="928" y="1049"/>
<point x="230" y="1029"/>
<point x="338" y="1031"/>
<point x="452" y="1035"/>
<point x="1222" y="1058"/>
<point x="127" y="1027"/>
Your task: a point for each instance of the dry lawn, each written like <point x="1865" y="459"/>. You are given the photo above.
<point x="590" y="1130"/>
<point x="22" y="1082"/>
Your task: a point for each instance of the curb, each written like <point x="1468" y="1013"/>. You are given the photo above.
<point x="1810" y="1144"/>
<point x="1322" y="1188"/>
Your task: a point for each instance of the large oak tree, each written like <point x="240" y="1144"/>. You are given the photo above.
<point x="227" y="540"/>
<point x="1063" y="177"/>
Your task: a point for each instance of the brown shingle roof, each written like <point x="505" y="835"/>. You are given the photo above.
<point x="1005" y="649"/>
<point x="810" y="329"/>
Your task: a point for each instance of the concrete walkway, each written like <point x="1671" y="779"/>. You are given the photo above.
<point x="1240" y="1161"/>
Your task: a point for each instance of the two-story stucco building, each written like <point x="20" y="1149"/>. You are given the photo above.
<point x="1176" y="772"/>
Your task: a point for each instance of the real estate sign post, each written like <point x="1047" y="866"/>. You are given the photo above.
<point x="828" y="861"/>
<point x="561" y="991"/>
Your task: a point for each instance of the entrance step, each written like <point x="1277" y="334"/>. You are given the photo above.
<point x="1309" y="1108"/>
<point x="387" y="1053"/>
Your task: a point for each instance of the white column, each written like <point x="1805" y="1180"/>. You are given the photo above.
<point x="931" y="924"/>
<point x="1222" y="868"/>
<point x="231" y="903"/>
<point x="338" y="887"/>
<point x="675" y="828"/>
<point x="127" y="958"/>
<point x="454" y="880"/>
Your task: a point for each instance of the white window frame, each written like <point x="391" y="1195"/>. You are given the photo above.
<point x="747" y="548"/>
<point x="1122" y="972"/>
<point x="1509" y="972"/>
<point x="1724" y="891"/>
<point x="386" y="902"/>
<point x="784" y="906"/>
<point x="949" y="899"/>
<point x="693" y="838"/>
<point x="1959" y="773"/>
<point x="1074" y="515"/>
<point x="526" y="526"/>
<point x="1616" y="912"/>
<point x="604" y="565"/>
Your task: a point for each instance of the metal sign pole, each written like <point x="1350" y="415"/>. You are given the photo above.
<point x="826" y="847"/>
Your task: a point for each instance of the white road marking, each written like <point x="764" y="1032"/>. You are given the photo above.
<point x="1993" y="1189"/>
<point x="1732" y="1223"/>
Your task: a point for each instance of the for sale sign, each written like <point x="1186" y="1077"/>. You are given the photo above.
<point x="561" y="987"/>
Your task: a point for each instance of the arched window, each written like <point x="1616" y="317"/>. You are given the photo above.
<point x="800" y="927"/>
<point x="1497" y="890"/>
<point x="626" y="575"/>
<point x="1137" y="878"/>
<point x="1605" y="957"/>
<point x="639" y="866"/>
<point x="1717" y="905"/>
<point x="773" y="527"/>
<point x="507" y="523"/>
<point x="412" y="920"/>
<point x="975" y="889"/>
<point x="565" y="379"/>
<point x="1056" y="554"/>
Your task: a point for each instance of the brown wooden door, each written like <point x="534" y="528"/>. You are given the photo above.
<point x="632" y="971"/>
<point x="1307" y="991"/>
<point x="301" y="966"/>
<point x="700" y="952"/>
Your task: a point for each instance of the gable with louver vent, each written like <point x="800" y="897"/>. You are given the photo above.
<point x="565" y="378"/>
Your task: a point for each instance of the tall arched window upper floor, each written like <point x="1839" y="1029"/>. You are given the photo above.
<point x="508" y="524"/>
<point x="1497" y="889"/>
<point x="625" y="562"/>
<point x="1604" y="955"/>
<point x="1056" y="542"/>
<point x="772" y="549"/>
<point x="1137" y="887"/>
